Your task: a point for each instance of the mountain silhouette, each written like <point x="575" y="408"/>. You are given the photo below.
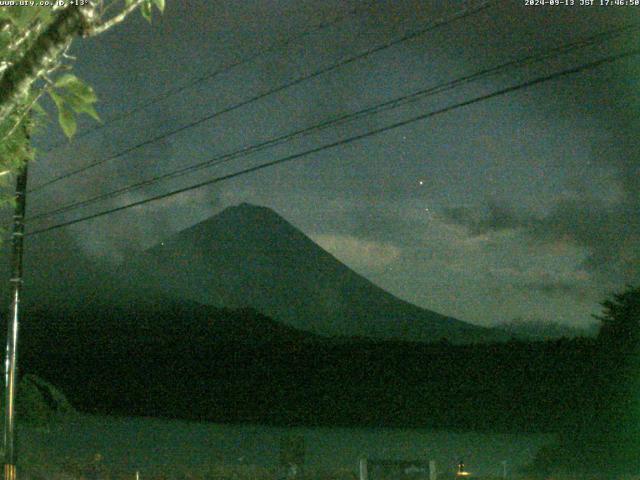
<point x="249" y="256"/>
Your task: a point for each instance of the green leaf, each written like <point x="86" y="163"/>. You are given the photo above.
<point x="76" y="94"/>
<point x="145" y="9"/>
<point x="67" y="121"/>
<point x="57" y="99"/>
<point x="37" y="108"/>
<point x="65" y="116"/>
<point x="76" y="87"/>
<point x="159" y="5"/>
<point x="79" y="105"/>
<point x="65" y="80"/>
<point x="89" y="110"/>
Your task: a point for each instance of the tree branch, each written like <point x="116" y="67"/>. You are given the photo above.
<point x="23" y="115"/>
<point x="32" y="30"/>
<point x="104" y="26"/>
<point x="16" y="82"/>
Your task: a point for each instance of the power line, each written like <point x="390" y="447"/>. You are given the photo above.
<point x="394" y="103"/>
<point x="504" y="91"/>
<point x="210" y="75"/>
<point x="439" y="23"/>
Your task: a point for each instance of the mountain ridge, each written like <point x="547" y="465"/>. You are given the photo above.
<point x="249" y="256"/>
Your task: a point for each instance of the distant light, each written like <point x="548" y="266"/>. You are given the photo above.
<point x="421" y="182"/>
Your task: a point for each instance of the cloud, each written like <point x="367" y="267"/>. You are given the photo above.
<point x="611" y="234"/>
<point x="358" y="253"/>
<point x="600" y="210"/>
<point x="115" y="236"/>
<point x="555" y="288"/>
<point x="574" y="283"/>
<point x="608" y="232"/>
<point x="480" y="221"/>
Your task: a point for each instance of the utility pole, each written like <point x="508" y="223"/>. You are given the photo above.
<point x="11" y="359"/>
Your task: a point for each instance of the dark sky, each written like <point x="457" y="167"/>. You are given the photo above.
<point x="522" y="206"/>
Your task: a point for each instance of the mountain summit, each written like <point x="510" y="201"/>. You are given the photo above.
<point x="249" y="256"/>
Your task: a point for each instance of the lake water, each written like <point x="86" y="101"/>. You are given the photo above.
<point x="148" y="444"/>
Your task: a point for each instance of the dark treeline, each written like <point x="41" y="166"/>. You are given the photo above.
<point x="511" y="387"/>
<point x="604" y="438"/>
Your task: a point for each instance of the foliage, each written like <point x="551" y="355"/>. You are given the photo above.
<point x="620" y="328"/>
<point x="606" y="438"/>
<point x="72" y="96"/>
<point x="34" y="41"/>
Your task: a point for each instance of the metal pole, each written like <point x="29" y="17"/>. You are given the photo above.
<point x="11" y="359"/>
